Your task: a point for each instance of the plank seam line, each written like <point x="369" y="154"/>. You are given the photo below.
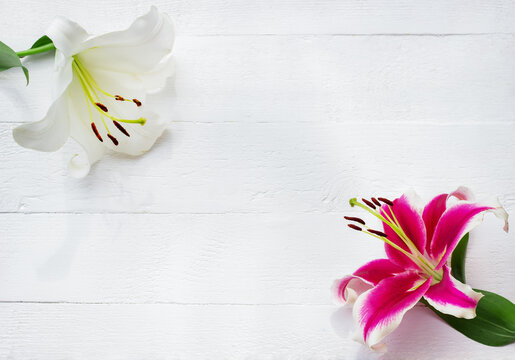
<point x="34" y="302"/>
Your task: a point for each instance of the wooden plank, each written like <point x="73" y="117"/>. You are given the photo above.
<point x="265" y="168"/>
<point x="459" y="79"/>
<point x="56" y="331"/>
<point x="206" y="259"/>
<point x="208" y="17"/>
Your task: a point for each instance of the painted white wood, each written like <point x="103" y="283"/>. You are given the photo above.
<point x="222" y="17"/>
<point x="223" y="241"/>
<point x="278" y="258"/>
<point x="163" y="331"/>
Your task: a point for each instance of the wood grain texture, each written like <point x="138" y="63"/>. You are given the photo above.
<point x="154" y="331"/>
<point x="222" y="242"/>
<point x="220" y="17"/>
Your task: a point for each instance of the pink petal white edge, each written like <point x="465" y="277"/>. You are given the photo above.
<point x="418" y="243"/>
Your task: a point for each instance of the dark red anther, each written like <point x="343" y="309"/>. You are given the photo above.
<point x="119" y="98"/>
<point x="356" y="219"/>
<point x="94" y="127"/>
<point x="121" y="128"/>
<point x="137" y="102"/>
<point x="369" y="203"/>
<point x="386" y="201"/>
<point x="113" y="139"/>
<point x="374" y="200"/>
<point x="101" y="107"/>
<point x="355" y="227"/>
<point x="378" y="233"/>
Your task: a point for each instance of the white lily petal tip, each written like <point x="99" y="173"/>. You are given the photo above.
<point x="78" y="169"/>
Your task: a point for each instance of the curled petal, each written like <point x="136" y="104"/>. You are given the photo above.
<point x="348" y="288"/>
<point x="455" y="222"/>
<point x="379" y="311"/>
<point x="406" y="212"/>
<point x="436" y="207"/>
<point x="452" y="297"/>
<point x="463" y="193"/>
<point x="139" y="49"/>
<point x="51" y="132"/>
<point x="67" y="36"/>
<point x="47" y="134"/>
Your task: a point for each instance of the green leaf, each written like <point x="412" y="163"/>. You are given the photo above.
<point x="9" y="59"/>
<point x="458" y="259"/>
<point x="494" y="324"/>
<point x="44" y="40"/>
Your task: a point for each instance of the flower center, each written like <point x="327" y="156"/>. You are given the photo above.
<point x="382" y="209"/>
<point x="93" y="94"/>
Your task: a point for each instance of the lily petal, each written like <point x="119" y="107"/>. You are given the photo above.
<point x="455" y="222"/>
<point x="436" y="207"/>
<point x="138" y="49"/>
<point x="67" y="36"/>
<point x="411" y="221"/>
<point x="452" y="297"/>
<point x="348" y="288"/>
<point x="51" y="132"/>
<point x="379" y="311"/>
<point x="463" y="193"/>
<point x="431" y="215"/>
<point x="80" y="131"/>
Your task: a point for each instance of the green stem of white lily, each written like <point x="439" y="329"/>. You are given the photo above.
<point x="36" y="50"/>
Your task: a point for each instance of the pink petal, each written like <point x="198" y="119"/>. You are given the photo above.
<point x="432" y="213"/>
<point x="463" y="193"/>
<point x="413" y="225"/>
<point x="453" y="297"/>
<point x="455" y="222"/>
<point x="436" y="207"/>
<point x="348" y="288"/>
<point x="379" y="310"/>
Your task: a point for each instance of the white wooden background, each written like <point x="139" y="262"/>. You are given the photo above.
<point x="223" y="241"/>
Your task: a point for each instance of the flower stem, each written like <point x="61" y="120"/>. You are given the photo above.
<point x="36" y="50"/>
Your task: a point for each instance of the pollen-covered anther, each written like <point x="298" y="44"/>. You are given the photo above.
<point x="369" y="203"/>
<point x="119" y="98"/>
<point x="121" y="128"/>
<point x="355" y="227"/>
<point x="375" y="201"/>
<point x="95" y="131"/>
<point x="377" y="232"/>
<point x="356" y="219"/>
<point x="137" y="102"/>
<point x="113" y="139"/>
<point x="101" y="107"/>
<point x="386" y="201"/>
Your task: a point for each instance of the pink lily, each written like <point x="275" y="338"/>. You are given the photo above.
<point x="418" y="244"/>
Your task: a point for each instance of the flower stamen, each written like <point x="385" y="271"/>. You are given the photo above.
<point x="113" y="139"/>
<point x="355" y="227"/>
<point x="89" y="85"/>
<point x="356" y="219"/>
<point x="94" y="127"/>
<point x="369" y="203"/>
<point x="386" y="201"/>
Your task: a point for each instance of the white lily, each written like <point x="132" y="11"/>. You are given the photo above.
<point x="101" y="87"/>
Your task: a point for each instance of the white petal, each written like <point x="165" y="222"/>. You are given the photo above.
<point x="67" y="35"/>
<point x="138" y="49"/>
<point x="80" y="131"/>
<point x="51" y="132"/>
